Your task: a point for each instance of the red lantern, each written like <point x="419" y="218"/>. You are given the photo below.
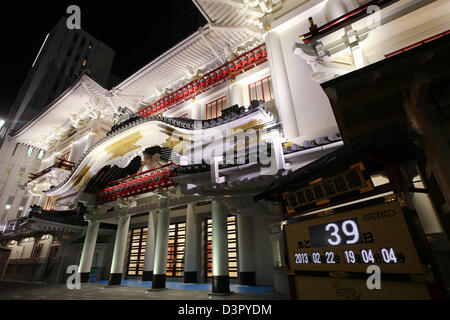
<point x="237" y="64"/>
<point x="264" y="51"/>
<point x="180" y="94"/>
<point x="134" y="185"/>
<point x="158" y="104"/>
<point x="213" y="76"/>
<point x="231" y="67"/>
<point x="171" y="99"/>
<point x="165" y="176"/>
<point x="144" y="182"/>
<point x="186" y="91"/>
<point x="244" y="60"/>
<point x="225" y="71"/>
<point x="129" y="188"/>
<point x="151" y="180"/>
<point x="258" y="54"/>
<point x="219" y="74"/>
<point x="158" y="178"/>
<point x="251" y="57"/>
<point x="196" y="85"/>
<point x="166" y="101"/>
<point x="140" y="184"/>
<point x="175" y="96"/>
<point x="190" y="88"/>
<point x="123" y="188"/>
<point x="207" y="79"/>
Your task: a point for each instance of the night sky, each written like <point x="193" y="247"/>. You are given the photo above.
<point x="137" y="31"/>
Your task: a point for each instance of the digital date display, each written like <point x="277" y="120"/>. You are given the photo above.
<point x="344" y="232"/>
<point x="349" y="241"/>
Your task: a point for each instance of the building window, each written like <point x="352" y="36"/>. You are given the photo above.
<point x="37" y="248"/>
<point x="175" y="257"/>
<point x="232" y="247"/>
<point x="45" y="237"/>
<point x="137" y="252"/>
<point x="6" y="175"/>
<point x="261" y="90"/>
<point x="41" y="154"/>
<point x="26" y="240"/>
<point x="214" y="108"/>
<point x="30" y="151"/>
<point x="19" y="177"/>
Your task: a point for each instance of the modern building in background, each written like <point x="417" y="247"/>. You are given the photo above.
<point x="148" y="156"/>
<point x="65" y="55"/>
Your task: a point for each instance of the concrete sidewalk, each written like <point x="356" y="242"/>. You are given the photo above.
<point x="91" y="291"/>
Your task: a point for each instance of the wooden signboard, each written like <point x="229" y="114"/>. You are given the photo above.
<point x="327" y="190"/>
<point x="350" y="241"/>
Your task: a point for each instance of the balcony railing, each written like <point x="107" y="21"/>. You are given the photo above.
<point x="143" y="182"/>
<point x="61" y="164"/>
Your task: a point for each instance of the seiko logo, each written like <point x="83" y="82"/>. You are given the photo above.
<point x="379" y="215"/>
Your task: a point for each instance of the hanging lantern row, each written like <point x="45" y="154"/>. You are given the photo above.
<point x="223" y="72"/>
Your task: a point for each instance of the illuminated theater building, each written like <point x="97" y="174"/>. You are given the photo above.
<point x="178" y="171"/>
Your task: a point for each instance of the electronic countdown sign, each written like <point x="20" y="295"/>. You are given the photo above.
<point x="352" y="240"/>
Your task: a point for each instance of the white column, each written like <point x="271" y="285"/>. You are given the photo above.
<point x="162" y="241"/>
<point x="196" y="112"/>
<point x="42" y="201"/>
<point x="192" y="251"/>
<point x="236" y="96"/>
<point x="246" y="251"/>
<point x="119" y="250"/>
<point x="87" y="254"/>
<point x="150" y="247"/>
<point x="73" y="152"/>
<point x="335" y="9"/>
<point x="220" y="273"/>
<point x="202" y="111"/>
<point x="90" y="141"/>
<point x="280" y="82"/>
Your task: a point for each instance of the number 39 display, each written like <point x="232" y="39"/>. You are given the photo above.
<point x="352" y="240"/>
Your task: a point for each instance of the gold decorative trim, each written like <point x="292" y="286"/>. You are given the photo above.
<point x="124" y="146"/>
